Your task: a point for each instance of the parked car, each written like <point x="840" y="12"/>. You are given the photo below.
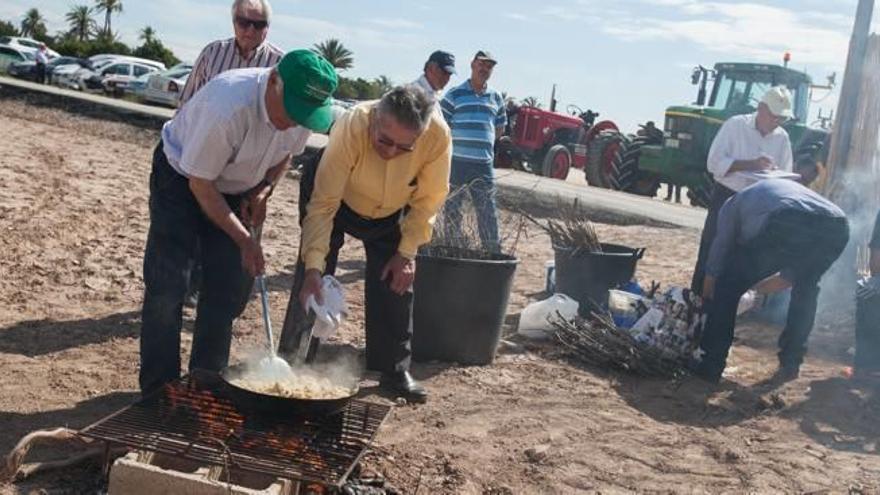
<point x="28" y="68"/>
<point x="10" y="55"/>
<point x="73" y="76"/>
<point x="165" y="87"/>
<point x="26" y="45"/>
<point x="116" y="76"/>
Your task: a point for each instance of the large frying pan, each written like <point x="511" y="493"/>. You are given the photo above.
<point x="256" y="402"/>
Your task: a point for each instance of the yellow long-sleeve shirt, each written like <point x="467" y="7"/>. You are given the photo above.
<point x="352" y="172"/>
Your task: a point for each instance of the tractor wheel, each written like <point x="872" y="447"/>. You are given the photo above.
<point x="701" y="194"/>
<point x="625" y="173"/>
<point x="600" y="153"/>
<point x="503" y="147"/>
<point x="557" y="162"/>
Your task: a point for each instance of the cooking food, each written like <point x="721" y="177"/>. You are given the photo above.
<point x="295" y="386"/>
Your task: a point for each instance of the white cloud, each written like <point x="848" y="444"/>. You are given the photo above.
<point x="744" y="30"/>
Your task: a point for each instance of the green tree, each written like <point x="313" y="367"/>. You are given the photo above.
<point x="153" y="49"/>
<point x="8" y="29"/>
<point x="108" y="7"/>
<point x="82" y="26"/>
<point x="33" y="24"/>
<point x="148" y="34"/>
<point x="531" y="101"/>
<point x="383" y="84"/>
<point x="336" y="53"/>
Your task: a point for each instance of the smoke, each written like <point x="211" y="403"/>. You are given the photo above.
<point x="340" y="370"/>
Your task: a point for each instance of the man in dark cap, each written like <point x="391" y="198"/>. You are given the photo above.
<point x="438" y="69"/>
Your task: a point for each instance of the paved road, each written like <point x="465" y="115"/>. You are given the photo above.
<point x="514" y="187"/>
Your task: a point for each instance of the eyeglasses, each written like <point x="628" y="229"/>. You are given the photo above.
<point x="387" y="141"/>
<point x="244" y="23"/>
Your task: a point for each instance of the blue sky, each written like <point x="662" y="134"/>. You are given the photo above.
<point x="627" y="59"/>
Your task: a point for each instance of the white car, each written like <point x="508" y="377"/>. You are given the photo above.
<point x="9" y="55"/>
<point x="165" y="87"/>
<point x="26" y="45"/>
<point x="73" y="76"/>
<point x="116" y="76"/>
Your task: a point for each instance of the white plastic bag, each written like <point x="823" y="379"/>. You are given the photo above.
<point x="330" y="314"/>
<point x="746" y="302"/>
<point x="534" y="321"/>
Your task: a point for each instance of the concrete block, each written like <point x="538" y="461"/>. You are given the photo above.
<point x="146" y="473"/>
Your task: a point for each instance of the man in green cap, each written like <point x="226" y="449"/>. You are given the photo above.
<point x="213" y="172"/>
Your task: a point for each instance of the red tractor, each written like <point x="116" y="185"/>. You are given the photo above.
<point x="549" y="143"/>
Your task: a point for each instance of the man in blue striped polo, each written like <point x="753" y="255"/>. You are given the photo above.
<point x="476" y="115"/>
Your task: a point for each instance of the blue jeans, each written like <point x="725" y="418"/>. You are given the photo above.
<point x="479" y="179"/>
<point x="800" y="244"/>
<point x="178" y="229"/>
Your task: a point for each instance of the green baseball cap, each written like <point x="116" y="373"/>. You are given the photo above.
<point x="309" y="83"/>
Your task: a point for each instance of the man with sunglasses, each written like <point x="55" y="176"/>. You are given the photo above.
<point x="382" y="178"/>
<point x="235" y="136"/>
<point x="249" y="48"/>
<point x="744" y="144"/>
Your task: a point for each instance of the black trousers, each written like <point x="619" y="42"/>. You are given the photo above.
<point x="868" y="334"/>
<point x="178" y="228"/>
<point x="801" y="245"/>
<point x="720" y="194"/>
<point x="388" y="315"/>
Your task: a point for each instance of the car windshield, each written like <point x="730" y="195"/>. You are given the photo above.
<point x="741" y="91"/>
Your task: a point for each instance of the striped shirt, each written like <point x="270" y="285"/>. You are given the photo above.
<point x="473" y="118"/>
<point x="222" y="55"/>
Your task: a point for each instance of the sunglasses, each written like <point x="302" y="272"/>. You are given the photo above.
<point x="244" y="23"/>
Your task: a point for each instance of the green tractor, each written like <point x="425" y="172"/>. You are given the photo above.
<point x="677" y="154"/>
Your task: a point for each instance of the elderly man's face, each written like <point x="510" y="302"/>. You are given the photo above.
<point x="389" y="138"/>
<point x="438" y="77"/>
<point x="766" y="121"/>
<point x="251" y="27"/>
<point x="481" y="70"/>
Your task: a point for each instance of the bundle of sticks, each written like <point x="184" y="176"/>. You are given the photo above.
<point x="596" y="341"/>
<point x="571" y="229"/>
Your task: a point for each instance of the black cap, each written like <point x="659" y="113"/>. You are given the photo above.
<point x="445" y="60"/>
<point x="485" y="55"/>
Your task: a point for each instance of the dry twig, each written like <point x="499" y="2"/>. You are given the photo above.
<point x="596" y="341"/>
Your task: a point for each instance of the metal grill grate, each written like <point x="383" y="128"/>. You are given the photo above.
<point x="194" y="419"/>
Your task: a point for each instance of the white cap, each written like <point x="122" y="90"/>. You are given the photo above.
<point x="778" y="101"/>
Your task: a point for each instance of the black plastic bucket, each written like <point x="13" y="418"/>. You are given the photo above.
<point x="586" y="277"/>
<point x="460" y="304"/>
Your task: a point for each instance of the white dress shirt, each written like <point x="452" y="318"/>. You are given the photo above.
<point x="740" y="139"/>
<point x="433" y="94"/>
<point x="224" y="133"/>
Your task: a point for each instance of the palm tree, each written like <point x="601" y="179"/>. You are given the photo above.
<point x="531" y="101"/>
<point x="336" y="53"/>
<point x="81" y="23"/>
<point x="33" y="23"/>
<point x="108" y="7"/>
<point x="148" y="34"/>
<point x="383" y="84"/>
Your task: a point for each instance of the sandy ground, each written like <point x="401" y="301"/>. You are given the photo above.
<point x="73" y="217"/>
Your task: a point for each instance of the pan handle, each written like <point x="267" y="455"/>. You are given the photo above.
<point x="639" y="253"/>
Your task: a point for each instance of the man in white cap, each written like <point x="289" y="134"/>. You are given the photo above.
<point x="745" y="144"/>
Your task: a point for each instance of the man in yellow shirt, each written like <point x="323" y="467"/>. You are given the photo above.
<point x="381" y="179"/>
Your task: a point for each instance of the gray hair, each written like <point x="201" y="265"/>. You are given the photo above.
<point x="264" y="6"/>
<point x="409" y="105"/>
